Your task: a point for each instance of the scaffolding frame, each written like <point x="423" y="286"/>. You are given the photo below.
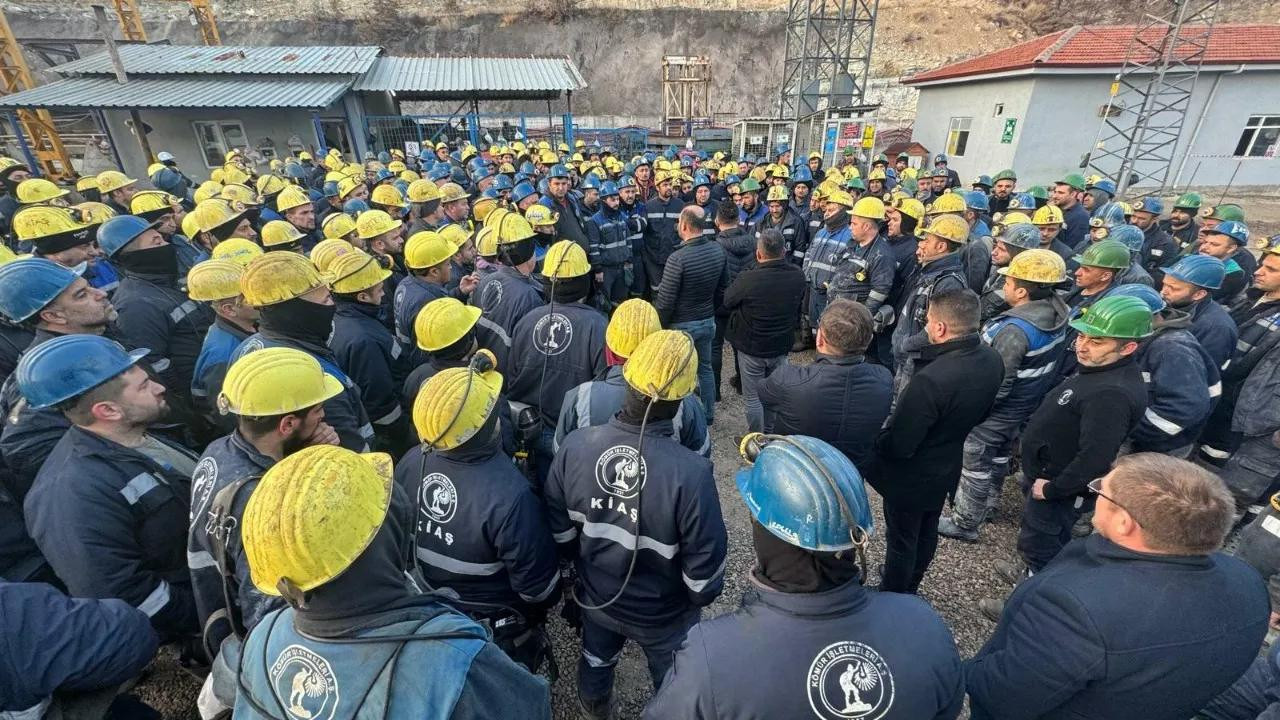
<point x="826" y="40"/>
<point x="42" y="142"/>
<point x="1151" y="95"/>
<point x="686" y="93"/>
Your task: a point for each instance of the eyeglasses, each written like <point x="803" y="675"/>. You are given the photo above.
<point x="1095" y="487"/>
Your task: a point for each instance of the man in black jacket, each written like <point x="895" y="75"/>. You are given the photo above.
<point x="763" y="305"/>
<point x="920" y="448"/>
<point x="693" y="284"/>
<point x="739" y="253"/>
<point x="1076" y="433"/>
<point x="840" y="397"/>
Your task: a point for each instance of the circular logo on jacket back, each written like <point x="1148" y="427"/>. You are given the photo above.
<point x="492" y="296"/>
<point x="620" y="471"/>
<point x="439" y="497"/>
<point x="202" y="482"/>
<point x="849" y="681"/>
<point x="553" y="334"/>
<point x="305" y="684"/>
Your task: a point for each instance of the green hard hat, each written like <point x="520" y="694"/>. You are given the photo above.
<point x="1075" y="180"/>
<point x="856" y="184"/>
<point x="881" y="158"/>
<point x="1039" y="192"/>
<point x="1225" y="211"/>
<point x="1188" y="200"/>
<point x="909" y="186"/>
<point x="750" y="185"/>
<point x="903" y="156"/>
<point x="1111" y="254"/>
<point x="1115" y="317"/>
<point x="1005" y="175"/>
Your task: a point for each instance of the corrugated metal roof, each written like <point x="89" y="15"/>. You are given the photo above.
<point x="183" y="92"/>
<point x="468" y="76"/>
<point x="229" y="59"/>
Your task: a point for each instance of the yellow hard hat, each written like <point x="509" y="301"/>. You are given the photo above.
<point x="495" y="217"/>
<point x="871" y="208"/>
<point x="240" y="251"/>
<point x="6" y="255"/>
<point x="235" y="192"/>
<point x="1047" y="215"/>
<point x="451" y="192"/>
<point x="355" y="272"/>
<point x="216" y="175"/>
<point x="275" y="381"/>
<point x="312" y="515"/>
<point x="910" y="207"/>
<point x="154" y="168"/>
<point x="455" y="403"/>
<point x="337" y="226"/>
<point x="271" y="184"/>
<point x="565" y="259"/>
<point x="233" y="174"/>
<point x="443" y="322"/>
<point x="421" y="191"/>
<point x="948" y="203"/>
<point x="208" y="189"/>
<point x="758" y="174"/>
<point x="1037" y="265"/>
<point x="664" y="366"/>
<point x="877" y="174"/>
<point x="275" y="164"/>
<point x="112" y="180"/>
<point x="87" y="182"/>
<point x="777" y="193"/>
<point x="388" y="195"/>
<point x="426" y="249"/>
<point x="40" y="221"/>
<point x="546" y="157"/>
<point x="292" y="197"/>
<point x="839" y="197"/>
<point x="146" y="201"/>
<point x="278" y="276"/>
<point x="355" y="170"/>
<point x="540" y="215"/>
<point x="851" y="172"/>
<point x="216" y="212"/>
<point x="38" y="190"/>
<point x="347" y="184"/>
<point x="374" y="223"/>
<point x="513" y="228"/>
<point x="409" y="176"/>
<point x="487" y="241"/>
<point x="632" y="321"/>
<point x="1014" y="217"/>
<point x="304" y="156"/>
<point x="189" y="227"/>
<point x="455" y="234"/>
<point x="280" y="232"/>
<point x="397" y="167"/>
<point x="214" y="280"/>
<point x="93" y="213"/>
<point x="326" y="251"/>
<point x="949" y="227"/>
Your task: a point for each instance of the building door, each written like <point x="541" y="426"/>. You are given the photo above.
<point x="336" y="136"/>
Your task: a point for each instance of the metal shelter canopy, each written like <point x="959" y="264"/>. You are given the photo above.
<point x="472" y="78"/>
<point x="314" y="92"/>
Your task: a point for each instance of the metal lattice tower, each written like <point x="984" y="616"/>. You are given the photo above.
<point x="828" y="55"/>
<point x="1151" y="95"/>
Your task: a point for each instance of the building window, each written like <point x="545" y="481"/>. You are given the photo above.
<point x="958" y="136"/>
<point x="1260" y="137"/>
<point x="218" y="137"/>
<point x="999" y="110"/>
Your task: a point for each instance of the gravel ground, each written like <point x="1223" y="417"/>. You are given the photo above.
<point x="960" y="575"/>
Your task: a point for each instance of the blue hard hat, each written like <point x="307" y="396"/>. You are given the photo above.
<point x="1233" y="229"/>
<point x="331" y="188"/>
<point x="543" y="187"/>
<point x="1023" y="235"/>
<point x="608" y="188"/>
<point x="1202" y="270"/>
<point x="983" y="181"/>
<point x="439" y="172"/>
<point x="702" y="154"/>
<point x="295" y="171"/>
<point x="670" y="153"/>
<point x="626" y="181"/>
<point x="355" y="206"/>
<point x="402" y="186"/>
<point x="426" y="152"/>
<point x="805" y="492"/>
<point x="456" y="156"/>
<point x="1022" y="201"/>
<point x="476" y="165"/>
<point x="491" y="193"/>
<point x="1145" y="293"/>
<point x="69" y="366"/>
<point x="528" y="168"/>
<point x="27" y="285"/>
<point x="700" y="179"/>
<point x="1107" y="215"/>
<point x="1153" y="205"/>
<point x="750" y="159"/>
<point x="649" y="156"/>
<point x="781" y="150"/>
<point x="1105" y="185"/>
<point x="802" y="175"/>
<point x="732" y="180"/>
<point x="686" y="161"/>
<point x="522" y="191"/>
<point x="558" y="171"/>
<point x="1131" y="235"/>
<point x="503" y="182"/>
<point x="591" y="182"/>
<point x="459" y="176"/>
<point x="480" y="173"/>
<point x="119" y="231"/>
<point x="977" y="200"/>
<point x="384" y="157"/>
<point x="383" y="174"/>
<point x="939" y="158"/>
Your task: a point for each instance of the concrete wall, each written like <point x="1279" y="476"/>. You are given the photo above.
<point x="1060" y="123"/>
<point x="172" y="130"/>
<point x="985" y="153"/>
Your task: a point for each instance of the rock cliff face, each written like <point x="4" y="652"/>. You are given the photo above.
<point x="618" y="44"/>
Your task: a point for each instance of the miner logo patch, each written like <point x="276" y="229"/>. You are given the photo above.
<point x="304" y="683"/>
<point x="620" y="471"/>
<point x="849" y="681"/>
<point x="553" y="334"/>
<point x="1065" y="397"/>
<point x="492" y="295"/>
<point x="202" y="482"/>
<point x="439" y="497"/>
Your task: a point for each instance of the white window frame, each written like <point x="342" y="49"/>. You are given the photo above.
<point x="224" y="147"/>
<point x="1252" y="127"/>
<point x="958" y="129"/>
